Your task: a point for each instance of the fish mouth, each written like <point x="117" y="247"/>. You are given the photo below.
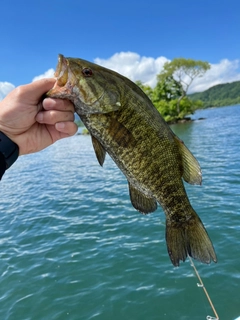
<point x="61" y="87"/>
<point x="61" y="72"/>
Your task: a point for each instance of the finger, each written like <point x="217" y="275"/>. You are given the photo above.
<point x="66" y="128"/>
<point x="54" y="116"/>
<point x="57" y="104"/>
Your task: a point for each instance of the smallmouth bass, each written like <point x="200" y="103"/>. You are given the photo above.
<point x="124" y="123"/>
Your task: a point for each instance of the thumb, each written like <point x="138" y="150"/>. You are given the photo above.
<point x="35" y="90"/>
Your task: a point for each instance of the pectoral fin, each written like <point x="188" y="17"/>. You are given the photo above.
<point x="191" y="168"/>
<point x="140" y="201"/>
<point x="120" y="133"/>
<point x="99" y="150"/>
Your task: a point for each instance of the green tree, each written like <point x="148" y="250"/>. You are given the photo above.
<point x="170" y="93"/>
<point x="183" y="71"/>
<point x="169" y="111"/>
<point x="166" y="89"/>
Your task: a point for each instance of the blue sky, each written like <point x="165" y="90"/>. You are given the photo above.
<point x="121" y="34"/>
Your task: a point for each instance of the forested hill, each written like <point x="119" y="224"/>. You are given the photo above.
<point x="219" y="95"/>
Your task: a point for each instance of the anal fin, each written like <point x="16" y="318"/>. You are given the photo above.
<point x="191" y="168"/>
<point x="99" y="150"/>
<point x="140" y="201"/>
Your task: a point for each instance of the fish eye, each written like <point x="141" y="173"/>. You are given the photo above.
<point x="87" y="72"/>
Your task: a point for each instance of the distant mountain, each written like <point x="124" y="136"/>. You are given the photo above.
<point x="220" y="95"/>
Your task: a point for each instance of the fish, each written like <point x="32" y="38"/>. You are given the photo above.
<point x="124" y="123"/>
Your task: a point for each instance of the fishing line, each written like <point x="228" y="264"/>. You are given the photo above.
<point x="201" y="285"/>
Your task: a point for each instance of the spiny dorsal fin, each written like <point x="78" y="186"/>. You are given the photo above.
<point x="191" y="168"/>
<point x="140" y="201"/>
<point x="99" y="150"/>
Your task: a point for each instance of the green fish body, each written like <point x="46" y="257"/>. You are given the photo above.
<point x="124" y="123"/>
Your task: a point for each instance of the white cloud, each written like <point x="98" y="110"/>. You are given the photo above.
<point x="48" y="74"/>
<point x="222" y="72"/>
<point x="134" y="67"/>
<point x="5" y="88"/>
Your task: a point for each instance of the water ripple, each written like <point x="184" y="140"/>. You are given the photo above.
<point x="72" y="247"/>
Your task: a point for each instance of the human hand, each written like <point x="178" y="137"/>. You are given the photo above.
<point x="34" y="124"/>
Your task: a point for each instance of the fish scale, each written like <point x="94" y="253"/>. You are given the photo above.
<point x="124" y="123"/>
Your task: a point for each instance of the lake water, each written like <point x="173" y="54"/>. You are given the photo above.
<point x="72" y="247"/>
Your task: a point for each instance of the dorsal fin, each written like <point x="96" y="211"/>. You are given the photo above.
<point x="191" y="168"/>
<point x="99" y="150"/>
<point x="140" y="201"/>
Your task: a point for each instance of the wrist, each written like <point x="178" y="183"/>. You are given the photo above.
<point x="8" y="149"/>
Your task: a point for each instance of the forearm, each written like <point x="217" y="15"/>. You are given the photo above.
<point x="2" y="165"/>
<point x="9" y="152"/>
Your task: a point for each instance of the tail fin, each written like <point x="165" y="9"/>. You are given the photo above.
<point x="189" y="238"/>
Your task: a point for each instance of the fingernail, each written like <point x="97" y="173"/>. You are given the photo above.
<point x="60" y="125"/>
<point x="39" y="117"/>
